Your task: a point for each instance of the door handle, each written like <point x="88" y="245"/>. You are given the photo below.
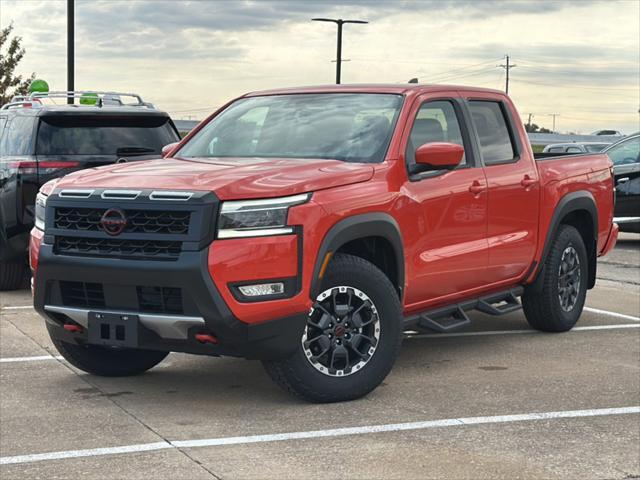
<point x="527" y="181"/>
<point x="477" y="188"/>
<point x="623" y="180"/>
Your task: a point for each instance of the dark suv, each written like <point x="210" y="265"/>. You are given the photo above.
<point x="40" y="141"/>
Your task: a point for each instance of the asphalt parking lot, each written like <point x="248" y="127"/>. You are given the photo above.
<point x="494" y="401"/>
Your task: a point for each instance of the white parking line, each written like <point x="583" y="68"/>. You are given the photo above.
<point x="29" y="359"/>
<point x="612" y="314"/>
<point x="16" y="307"/>
<point x="515" y="332"/>
<point x="338" y="432"/>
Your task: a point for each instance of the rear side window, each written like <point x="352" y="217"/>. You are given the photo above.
<point x="435" y="122"/>
<point x="493" y="132"/>
<point x="556" y="150"/>
<point x="104" y="135"/>
<point x="17" y="136"/>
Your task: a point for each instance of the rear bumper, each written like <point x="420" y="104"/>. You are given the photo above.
<point x="628" y="224"/>
<point x="611" y="241"/>
<point x="205" y="310"/>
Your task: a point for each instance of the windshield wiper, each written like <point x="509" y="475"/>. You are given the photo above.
<point x="134" y="151"/>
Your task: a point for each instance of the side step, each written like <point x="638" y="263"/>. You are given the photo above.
<point x="453" y="317"/>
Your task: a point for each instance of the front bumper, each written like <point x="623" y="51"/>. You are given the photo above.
<point x="205" y="311"/>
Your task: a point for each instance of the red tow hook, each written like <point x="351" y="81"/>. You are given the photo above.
<point x="70" y="327"/>
<point x="206" y="338"/>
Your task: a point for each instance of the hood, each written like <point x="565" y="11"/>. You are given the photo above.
<point x="229" y="178"/>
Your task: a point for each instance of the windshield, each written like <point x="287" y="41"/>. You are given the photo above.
<point x="348" y="127"/>
<point x="104" y="135"/>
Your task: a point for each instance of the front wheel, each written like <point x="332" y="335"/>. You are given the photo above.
<point x="556" y="304"/>
<point x="351" y="339"/>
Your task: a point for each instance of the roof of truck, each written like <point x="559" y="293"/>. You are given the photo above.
<point x="372" y="88"/>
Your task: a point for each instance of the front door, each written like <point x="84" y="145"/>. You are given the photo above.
<point x="447" y="249"/>
<point x="626" y="168"/>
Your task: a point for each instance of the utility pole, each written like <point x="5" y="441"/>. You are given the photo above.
<point x="507" y="66"/>
<point x="554" y="115"/>
<point x="338" y="22"/>
<point x="70" y="48"/>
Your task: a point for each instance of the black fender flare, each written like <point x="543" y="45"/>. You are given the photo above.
<point x="571" y="202"/>
<point x="376" y="224"/>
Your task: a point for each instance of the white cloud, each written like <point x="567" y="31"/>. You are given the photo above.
<point x="576" y="58"/>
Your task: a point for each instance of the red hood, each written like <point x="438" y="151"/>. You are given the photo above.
<point x="229" y="178"/>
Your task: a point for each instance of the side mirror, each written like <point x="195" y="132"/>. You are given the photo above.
<point x="167" y="148"/>
<point x="439" y="155"/>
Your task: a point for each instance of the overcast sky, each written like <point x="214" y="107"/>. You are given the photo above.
<point x="580" y="59"/>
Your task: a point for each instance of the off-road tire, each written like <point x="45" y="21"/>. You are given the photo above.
<point x="296" y="374"/>
<point x="106" y="361"/>
<point x="12" y="274"/>
<point x="541" y="302"/>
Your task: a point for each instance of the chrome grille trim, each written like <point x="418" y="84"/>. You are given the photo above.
<point x="72" y="193"/>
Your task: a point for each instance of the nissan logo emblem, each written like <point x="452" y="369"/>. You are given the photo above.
<point x="113" y="221"/>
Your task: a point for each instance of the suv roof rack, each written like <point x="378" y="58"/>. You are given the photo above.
<point x="110" y="99"/>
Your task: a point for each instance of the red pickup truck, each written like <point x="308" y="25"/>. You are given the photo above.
<point x="308" y="228"/>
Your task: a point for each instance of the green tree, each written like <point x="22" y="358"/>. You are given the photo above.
<point x="533" y="128"/>
<point x="11" y="52"/>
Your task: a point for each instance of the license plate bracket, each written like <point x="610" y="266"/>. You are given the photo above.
<point x="113" y="329"/>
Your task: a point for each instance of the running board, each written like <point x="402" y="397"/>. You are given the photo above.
<point x="453" y="317"/>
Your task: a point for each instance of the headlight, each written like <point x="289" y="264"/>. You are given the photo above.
<point x="41" y="207"/>
<point x="257" y="218"/>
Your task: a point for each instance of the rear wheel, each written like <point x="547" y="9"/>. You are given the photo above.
<point x="556" y="304"/>
<point x="12" y="274"/>
<point x="351" y="339"/>
<point x="108" y="361"/>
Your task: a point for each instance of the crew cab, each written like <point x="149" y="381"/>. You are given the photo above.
<point x="309" y="228"/>
<point x="41" y="140"/>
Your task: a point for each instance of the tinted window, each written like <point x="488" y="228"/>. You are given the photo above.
<point x="348" y="127"/>
<point x="435" y="122"/>
<point x="103" y="135"/>
<point x="18" y="136"/>
<point x="626" y="152"/>
<point x="493" y="133"/>
<point x="596" y="148"/>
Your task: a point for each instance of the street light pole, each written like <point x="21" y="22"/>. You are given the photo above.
<point x="70" y="48"/>
<point x="339" y="22"/>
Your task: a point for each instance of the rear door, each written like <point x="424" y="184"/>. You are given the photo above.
<point x="513" y="187"/>
<point x="18" y="173"/>
<point x="447" y="246"/>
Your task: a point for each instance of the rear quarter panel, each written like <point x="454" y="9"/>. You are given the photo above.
<point x="560" y="176"/>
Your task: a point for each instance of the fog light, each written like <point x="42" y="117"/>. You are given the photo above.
<point x="262" y="289"/>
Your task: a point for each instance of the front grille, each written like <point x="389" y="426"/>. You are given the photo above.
<point x="138" y="221"/>
<point x="158" y="300"/>
<point x="80" y="294"/>
<point x="111" y="247"/>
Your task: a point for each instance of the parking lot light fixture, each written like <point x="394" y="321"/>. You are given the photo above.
<point x="339" y="22"/>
